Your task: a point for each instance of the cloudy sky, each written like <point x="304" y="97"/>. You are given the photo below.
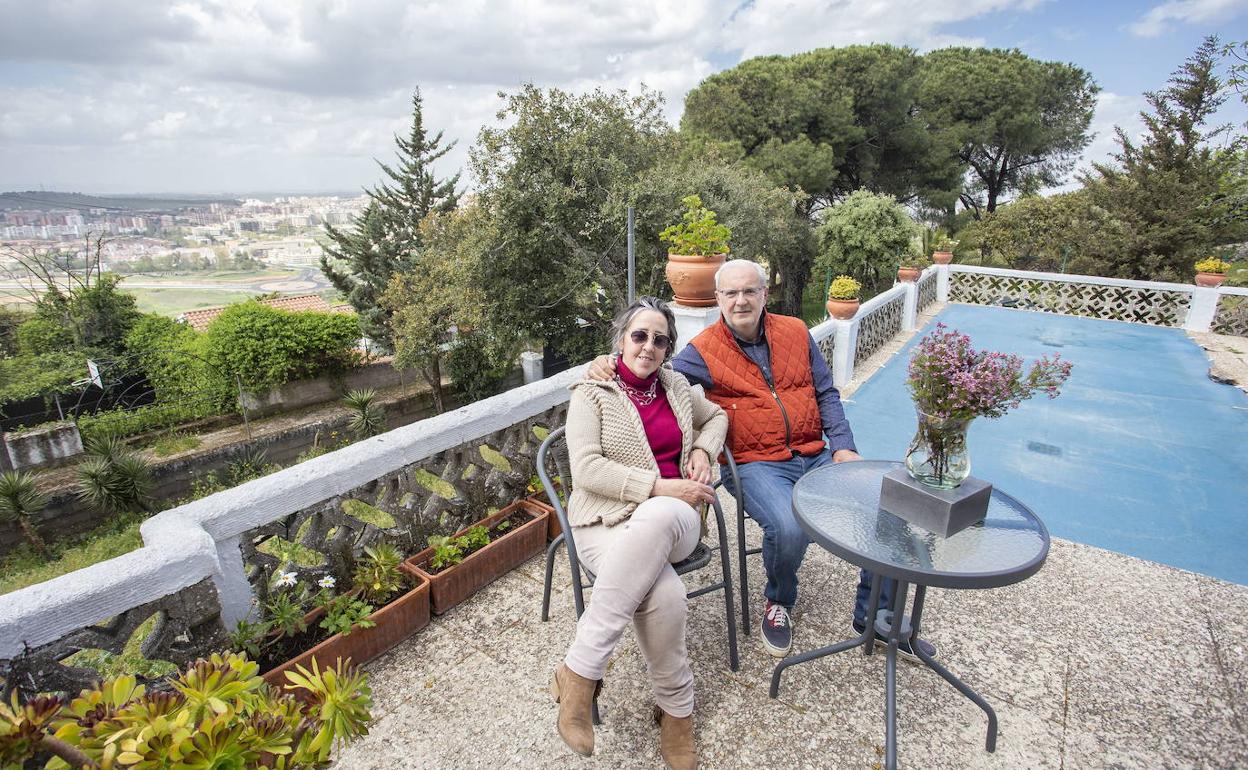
<point x="241" y="95"/>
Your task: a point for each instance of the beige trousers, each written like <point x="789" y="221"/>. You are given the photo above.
<point x="635" y="582"/>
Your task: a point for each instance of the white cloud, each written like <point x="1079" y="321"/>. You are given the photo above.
<point x="1158" y="18"/>
<point x="285" y="94"/>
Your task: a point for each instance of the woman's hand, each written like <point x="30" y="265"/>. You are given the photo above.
<point x="693" y="492"/>
<point x="698" y="468"/>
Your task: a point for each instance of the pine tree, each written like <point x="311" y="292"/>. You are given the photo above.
<point x="1167" y="188"/>
<point x="386" y="239"/>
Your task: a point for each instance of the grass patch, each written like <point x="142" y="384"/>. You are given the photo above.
<point x="174" y="301"/>
<point x="174" y="443"/>
<point x="23" y="567"/>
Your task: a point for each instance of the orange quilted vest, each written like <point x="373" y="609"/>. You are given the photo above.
<point x="764" y="424"/>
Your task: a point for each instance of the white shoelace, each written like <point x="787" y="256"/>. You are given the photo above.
<point x="777" y="615"/>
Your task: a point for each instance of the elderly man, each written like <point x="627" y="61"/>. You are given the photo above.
<point x="785" y="420"/>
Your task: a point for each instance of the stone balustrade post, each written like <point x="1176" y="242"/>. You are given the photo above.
<point x="531" y="365"/>
<point x="910" y="310"/>
<point x="942" y="283"/>
<point x="1202" y="310"/>
<point x="846" y="340"/>
<point x="690" y="321"/>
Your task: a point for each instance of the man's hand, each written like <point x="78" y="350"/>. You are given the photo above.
<point x="693" y="492"/>
<point x="698" y="468"/>
<point x="845" y="456"/>
<point x="601" y="368"/>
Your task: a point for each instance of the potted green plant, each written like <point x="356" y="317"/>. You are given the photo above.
<point x="942" y="248"/>
<point x="459" y="565"/>
<point x="697" y="246"/>
<point x="912" y="264"/>
<point x="218" y="714"/>
<point x="386" y="603"/>
<point x="843" y="300"/>
<point x="536" y="495"/>
<point x="1211" y="272"/>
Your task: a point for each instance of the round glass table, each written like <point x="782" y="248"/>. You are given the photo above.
<point x="839" y="508"/>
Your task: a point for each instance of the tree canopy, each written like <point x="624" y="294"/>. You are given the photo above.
<point x="384" y="240"/>
<point x="1018" y="124"/>
<point x="1170" y="189"/>
<point x="827" y="122"/>
<point x="864" y="237"/>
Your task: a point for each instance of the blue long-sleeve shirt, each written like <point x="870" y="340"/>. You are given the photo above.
<point x="690" y="363"/>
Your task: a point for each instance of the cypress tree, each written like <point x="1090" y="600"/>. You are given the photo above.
<point x="386" y="238"/>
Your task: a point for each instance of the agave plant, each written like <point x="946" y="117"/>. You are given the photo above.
<point x="119" y="483"/>
<point x="20" y="500"/>
<point x="220" y="714"/>
<point x="367" y="418"/>
<point x="377" y="574"/>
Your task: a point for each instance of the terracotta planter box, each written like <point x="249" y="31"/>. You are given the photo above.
<point x="1210" y="280"/>
<point x="539" y="500"/>
<point x="908" y="274"/>
<point x="456" y="583"/>
<point x="942" y="257"/>
<point x="395" y="622"/>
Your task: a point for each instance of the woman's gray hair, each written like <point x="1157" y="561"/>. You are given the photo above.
<point x="735" y="263"/>
<point x="625" y="317"/>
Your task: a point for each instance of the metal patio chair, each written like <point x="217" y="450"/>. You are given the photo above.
<point x="583" y="578"/>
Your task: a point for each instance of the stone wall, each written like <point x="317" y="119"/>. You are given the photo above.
<point x="48" y="445"/>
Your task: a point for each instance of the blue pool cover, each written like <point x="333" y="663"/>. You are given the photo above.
<point x="1142" y="453"/>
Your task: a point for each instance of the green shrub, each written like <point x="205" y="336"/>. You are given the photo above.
<point x="131" y="422"/>
<point x="38" y="336"/>
<point x="26" y="376"/>
<point x="173" y="444"/>
<point x="1212" y="265"/>
<point x="864" y="237"/>
<point x="171" y="356"/>
<point x="266" y="347"/>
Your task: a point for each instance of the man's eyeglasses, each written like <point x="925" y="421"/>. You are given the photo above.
<point x="641" y="336"/>
<point x="731" y="294"/>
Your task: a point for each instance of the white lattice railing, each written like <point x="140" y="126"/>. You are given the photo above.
<point x="201" y="563"/>
<point x="845" y="344"/>
<point x="1231" y="316"/>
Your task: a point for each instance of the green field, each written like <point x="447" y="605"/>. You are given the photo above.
<point x="173" y="301"/>
<point x="272" y="274"/>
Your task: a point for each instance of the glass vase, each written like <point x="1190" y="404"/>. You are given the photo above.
<point x="938" y="456"/>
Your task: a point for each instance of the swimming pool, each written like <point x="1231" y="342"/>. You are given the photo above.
<point x="1142" y="453"/>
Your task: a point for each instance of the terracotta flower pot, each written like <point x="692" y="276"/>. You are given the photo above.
<point x="842" y="309"/>
<point x="452" y="585"/>
<point x="395" y="622"/>
<point x="908" y="274"/>
<point x="942" y="257"/>
<point x="692" y="278"/>
<point x="1209" y="280"/>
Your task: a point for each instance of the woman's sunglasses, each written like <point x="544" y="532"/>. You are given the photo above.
<point x="641" y="336"/>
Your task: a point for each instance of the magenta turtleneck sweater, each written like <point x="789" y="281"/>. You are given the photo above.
<point x="662" y="430"/>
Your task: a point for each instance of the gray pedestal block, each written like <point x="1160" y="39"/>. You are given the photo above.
<point x="943" y="511"/>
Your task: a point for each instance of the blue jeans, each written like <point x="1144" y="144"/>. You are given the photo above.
<point x="768" y="489"/>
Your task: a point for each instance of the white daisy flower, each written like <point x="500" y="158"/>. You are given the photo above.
<point x="287" y="580"/>
<point x="326" y="582"/>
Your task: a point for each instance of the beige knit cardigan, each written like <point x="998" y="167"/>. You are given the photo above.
<point x="613" y="468"/>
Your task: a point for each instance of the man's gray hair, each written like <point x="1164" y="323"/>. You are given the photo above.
<point x="625" y="317"/>
<point x="735" y="263"/>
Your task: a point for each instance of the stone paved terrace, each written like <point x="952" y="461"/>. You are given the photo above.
<point x="1099" y="661"/>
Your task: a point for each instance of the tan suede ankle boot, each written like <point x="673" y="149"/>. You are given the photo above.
<point x="676" y="740"/>
<point x="575" y="694"/>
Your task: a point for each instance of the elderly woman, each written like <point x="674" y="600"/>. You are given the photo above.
<point x="641" y="447"/>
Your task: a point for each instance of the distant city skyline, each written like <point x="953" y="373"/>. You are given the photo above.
<point x="227" y="96"/>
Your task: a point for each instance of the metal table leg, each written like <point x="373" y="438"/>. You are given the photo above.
<point x="990" y="743"/>
<point x="866" y="639"/>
